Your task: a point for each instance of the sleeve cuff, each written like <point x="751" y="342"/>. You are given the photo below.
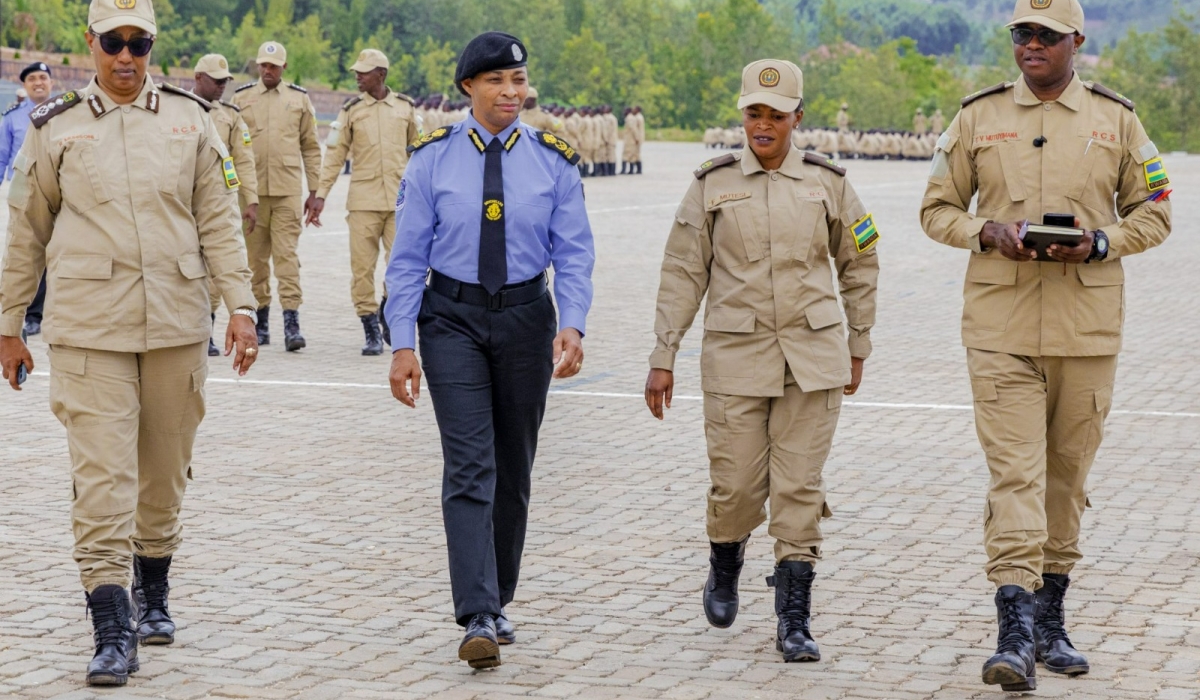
<point x="1116" y="239"/>
<point x="570" y="318"/>
<point x="323" y="193"/>
<point x="12" y="324"/>
<point x="974" y="230"/>
<point x="662" y="358"/>
<point x="251" y="198"/>
<point x="404" y="337"/>
<point x="860" y="345"/>
<point x="240" y="299"/>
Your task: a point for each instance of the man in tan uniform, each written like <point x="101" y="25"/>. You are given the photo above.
<point x="920" y="123"/>
<point x="635" y="136"/>
<point x="1042" y="337"/>
<point x="610" y="137"/>
<point x="127" y="198"/>
<point x="938" y="122"/>
<point x="211" y="76"/>
<point x="538" y="118"/>
<point x="843" y="118"/>
<point x="374" y="131"/>
<point x="283" y="127"/>
<point x="761" y="232"/>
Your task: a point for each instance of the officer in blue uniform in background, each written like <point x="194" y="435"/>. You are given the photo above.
<point x="485" y="206"/>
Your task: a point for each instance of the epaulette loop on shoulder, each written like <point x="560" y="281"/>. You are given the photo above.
<point x="406" y="98"/>
<point x="824" y="162"/>
<point x="1111" y="94"/>
<point x="231" y="106"/>
<point x="297" y="87"/>
<point x="352" y="101"/>
<point x="53" y="107"/>
<point x="559" y="146"/>
<point x="167" y="87"/>
<point x="247" y="86"/>
<point x="435" y="135"/>
<point x="11" y="108"/>
<point x="710" y="165"/>
<point x="998" y="87"/>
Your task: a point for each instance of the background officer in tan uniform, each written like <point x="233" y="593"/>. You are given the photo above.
<point x="635" y="136"/>
<point x="283" y="127"/>
<point x="760" y="232"/>
<point x="609" y="137"/>
<point x="126" y="197"/>
<point x="1042" y="337"/>
<point x="212" y="75"/>
<point x="374" y="131"/>
<point x="538" y="118"/>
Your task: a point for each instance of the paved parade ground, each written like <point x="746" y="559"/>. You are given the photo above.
<point x="314" y="564"/>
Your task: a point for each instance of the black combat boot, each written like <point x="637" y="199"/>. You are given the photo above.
<point x="292" y="339"/>
<point x="116" y="644"/>
<point x="793" y="599"/>
<point x="150" y="588"/>
<point x="639" y="167"/>
<point x="263" y="327"/>
<point x="721" y="591"/>
<point x="1054" y="648"/>
<point x="387" y="332"/>
<point x="1013" y="667"/>
<point x="212" y="347"/>
<point x="480" y="648"/>
<point x="374" y="343"/>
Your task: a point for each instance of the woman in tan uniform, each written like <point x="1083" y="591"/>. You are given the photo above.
<point x="760" y="232"/>
<point x="126" y="196"/>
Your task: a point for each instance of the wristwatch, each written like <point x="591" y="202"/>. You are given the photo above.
<point x="1099" y="247"/>
<point x="246" y="312"/>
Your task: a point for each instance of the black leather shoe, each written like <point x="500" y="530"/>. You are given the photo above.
<point x="387" y="332"/>
<point x="721" y="591"/>
<point x="150" y="611"/>
<point x="116" y="644"/>
<point x="1013" y="667"/>
<point x="374" y="339"/>
<point x="793" y="599"/>
<point x="263" y="327"/>
<point x="1054" y="648"/>
<point x="292" y="339"/>
<point x="479" y="647"/>
<point x="33" y="326"/>
<point x="505" y="632"/>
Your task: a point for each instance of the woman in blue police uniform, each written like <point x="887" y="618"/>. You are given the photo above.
<point x="484" y="208"/>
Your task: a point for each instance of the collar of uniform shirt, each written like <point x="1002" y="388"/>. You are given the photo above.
<point x="107" y="103"/>
<point x="792" y="164"/>
<point x="472" y="123"/>
<point x="1071" y="98"/>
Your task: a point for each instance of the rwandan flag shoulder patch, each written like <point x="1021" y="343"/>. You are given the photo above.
<point x="1156" y="174"/>
<point x="865" y="233"/>
<point x="231" y="178"/>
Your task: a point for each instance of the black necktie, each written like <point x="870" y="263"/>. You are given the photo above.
<point x="493" y="263"/>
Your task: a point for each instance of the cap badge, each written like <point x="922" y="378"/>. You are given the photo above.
<point x="222" y="64"/>
<point x="1040" y="4"/>
<point x="769" y="78"/>
<point x="362" y="56"/>
<point x="517" y="55"/>
<point x="269" y="48"/>
<point x="126" y="4"/>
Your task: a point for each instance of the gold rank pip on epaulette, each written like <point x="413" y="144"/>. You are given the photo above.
<point x="435" y="135"/>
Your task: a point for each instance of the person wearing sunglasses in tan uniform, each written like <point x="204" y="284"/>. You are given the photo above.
<point x="1042" y="337"/>
<point x="125" y="195"/>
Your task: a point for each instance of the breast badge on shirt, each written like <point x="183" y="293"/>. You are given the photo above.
<point x="865" y="233"/>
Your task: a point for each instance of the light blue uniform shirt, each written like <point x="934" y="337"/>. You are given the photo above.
<point x="12" y="135"/>
<point x="438" y="213"/>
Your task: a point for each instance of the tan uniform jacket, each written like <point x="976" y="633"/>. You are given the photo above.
<point x="283" y="125"/>
<point x="639" y="129"/>
<point x="374" y="135"/>
<point x="541" y="120"/>
<point x="610" y="129"/>
<point x="236" y="136"/>
<point x="1096" y="150"/>
<point x="759" y="244"/>
<point x="127" y="211"/>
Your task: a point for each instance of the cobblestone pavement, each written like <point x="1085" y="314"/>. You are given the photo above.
<point x="315" y="568"/>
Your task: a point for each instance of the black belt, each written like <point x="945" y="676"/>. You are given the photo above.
<point x="475" y="294"/>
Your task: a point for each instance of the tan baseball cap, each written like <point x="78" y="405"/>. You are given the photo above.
<point x="1065" y="16"/>
<point x="214" y="66"/>
<point x="272" y="52"/>
<point x="774" y="83"/>
<point x="369" y="60"/>
<point x="107" y="15"/>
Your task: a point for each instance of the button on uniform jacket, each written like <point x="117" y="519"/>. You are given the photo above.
<point x="374" y="135"/>
<point x="1096" y="163"/>
<point x="283" y="127"/>
<point x="764" y="247"/>
<point x="128" y="211"/>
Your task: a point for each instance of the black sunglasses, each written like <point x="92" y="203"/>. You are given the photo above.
<point x="113" y="44"/>
<point x="1046" y="37"/>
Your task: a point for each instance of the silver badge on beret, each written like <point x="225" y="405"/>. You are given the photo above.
<point x="517" y="52"/>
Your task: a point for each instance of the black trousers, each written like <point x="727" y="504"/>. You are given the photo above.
<point x="488" y="374"/>
<point x="34" y="311"/>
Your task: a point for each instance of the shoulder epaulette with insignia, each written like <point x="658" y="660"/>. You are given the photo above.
<point x="167" y="87"/>
<point x="710" y="165"/>
<point x="559" y="146"/>
<point x="352" y="101"/>
<point x="1111" y="94"/>
<point x="824" y="162"/>
<point x="998" y="87"/>
<point x="230" y="105"/>
<point x="297" y="87"/>
<point x="53" y="107"/>
<point x="12" y="108"/>
<point x="435" y="135"/>
<point x="247" y="86"/>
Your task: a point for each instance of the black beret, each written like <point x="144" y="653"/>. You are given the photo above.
<point x="34" y="68"/>
<point x="487" y="52"/>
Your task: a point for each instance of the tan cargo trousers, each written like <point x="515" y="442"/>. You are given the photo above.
<point x="770" y="449"/>
<point x="369" y="231"/>
<point x="1040" y="421"/>
<point x="131" y="420"/>
<point x="275" y="239"/>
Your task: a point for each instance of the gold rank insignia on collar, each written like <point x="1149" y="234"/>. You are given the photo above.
<point x="512" y="140"/>
<point x="480" y="145"/>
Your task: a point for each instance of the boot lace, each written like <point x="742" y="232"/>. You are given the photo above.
<point x="726" y="566"/>
<point x="1051" y="619"/>
<point x="152" y="588"/>
<point x="796" y="599"/>
<point x="106" y="617"/>
<point x="1014" y="635"/>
